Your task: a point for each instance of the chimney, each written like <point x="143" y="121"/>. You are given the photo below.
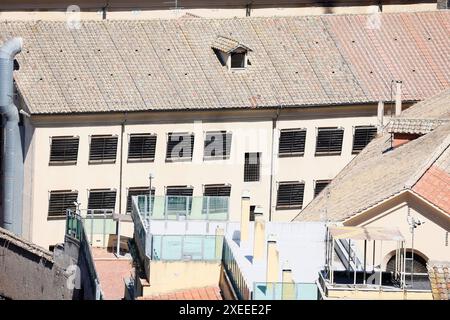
<point x="259" y="240"/>
<point x="219" y="241"/>
<point x="398" y="98"/>
<point x="380" y="115"/>
<point x="288" y="291"/>
<point x="245" y="215"/>
<point x="272" y="259"/>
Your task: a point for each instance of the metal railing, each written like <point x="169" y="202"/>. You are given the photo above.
<point x="75" y="229"/>
<point x="187" y="247"/>
<point x="285" y="291"/>
<point x="182" y="207"/>
<point x="234" y="273"/>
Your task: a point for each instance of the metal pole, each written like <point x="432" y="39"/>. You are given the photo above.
<point x="381" y="262"/>
<point x="412" y="257"/>
<point x="365" y="260"/>
<point x="150" y="177"/>
<point x="118" y="237"/>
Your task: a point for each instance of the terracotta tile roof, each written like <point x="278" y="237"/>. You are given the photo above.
<point x="227" y="45"/>
<point x="439" y="274"/>
<point x="110" y="65"/>
<point x="378" y="173"/>
<point x="207" y="293"/>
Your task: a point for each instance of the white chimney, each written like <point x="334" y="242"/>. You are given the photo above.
<point x="259" y="236"/>
<point x="245" y="215"/>
<point x="398" y="98"/>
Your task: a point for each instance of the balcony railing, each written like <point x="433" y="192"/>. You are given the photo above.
<point x="285" y="291"/>
<point x="182" y="207"/>
<point x="187" y="247"/>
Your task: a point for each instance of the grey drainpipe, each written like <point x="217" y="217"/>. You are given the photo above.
<point x="12" y="153"/>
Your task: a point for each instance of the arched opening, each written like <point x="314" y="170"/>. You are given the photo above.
<point x="419" y="263"/>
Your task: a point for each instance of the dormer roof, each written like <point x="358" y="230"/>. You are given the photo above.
<point x="228" y="45"/>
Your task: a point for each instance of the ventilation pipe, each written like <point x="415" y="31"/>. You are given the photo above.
<point x="398" y="98"/>
<point x="12" y="152"/>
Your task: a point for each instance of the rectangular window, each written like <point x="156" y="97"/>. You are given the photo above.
<point x="217" y="145"/>
<point x="102" y="199"/>
<point x="64" y="150"/>
<point x="179" y="200"/>
<point x="292" y="143"/>
<point x="103" y="149"/>
<point x="290" y="195"/>
<point x="362" y="136"/>
<point x="252" y="166"/>
<point x="141" y="147"/>
<point x="319" y="186"/>
<point x="238" y="60"/>
<point x="60" y="201"/>
<point x="137" y="191"/>
<point x="329" y="141"/>
<point x="180" y="146"/>
<point x="217" y="190"/>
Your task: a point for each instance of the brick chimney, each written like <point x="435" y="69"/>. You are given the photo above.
<point x="245" y="215"/>
<point x="273" y="264"/>
<point x="259" y="236"/>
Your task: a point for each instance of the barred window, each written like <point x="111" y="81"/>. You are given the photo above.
<point x="290" y="195"/>
<point x="60" y="201"/>
<point x="102" y="199"/>
<point x="292" y="142"/>
<point x="64" y="150"/>
<point x="137" y="191"/>
<point x="180" y="146"/>
<point x="141" y="147"/>
<point x="319" y="186"/>
<point x="217" y="145"/>
<point x="329" y="141"/>
<point x="103" y="149"/>
<point x="362" y="136"/>
<point x="217" y="190"/>
<point x="252" y="166"/>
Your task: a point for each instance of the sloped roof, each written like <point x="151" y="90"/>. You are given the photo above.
<point x="110" y="65"/>
<point x="227" y="45"/>
<point x="425" y="116"/>
<point x="379" y="173"/>
<point x="439" y="274"/>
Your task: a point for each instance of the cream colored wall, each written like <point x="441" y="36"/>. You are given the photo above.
<point x="378" y="295"/>
<point x="135" y="13"/>
<point x="429" y="238"/>
<point x="251" y="132"/>
<point x="180" y="275"/>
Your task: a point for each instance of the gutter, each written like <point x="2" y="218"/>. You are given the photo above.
<point x="13" y="167"/>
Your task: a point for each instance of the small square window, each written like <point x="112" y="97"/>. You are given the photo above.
<point x="238" y="60"/>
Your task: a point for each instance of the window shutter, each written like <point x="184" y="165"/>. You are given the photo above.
<point x="102" y="200"/>
<point x="184" y="144"/>
<point x="137" y="191"/>
<point x="141" y="147"/>
<point x="292" y="142"/>
<point x="290" y="195"/>
<point x="217" y="150"/>
<point x="60" y="201"/>
<point x="179" y="191"/>
<point x="64" y="150"/>
<point x="217" y="191"/>
<point x="319" y="186"/>
<point x="103" y="149"/>
<point x="329" y="141"/>
<point x="362" y="136"/>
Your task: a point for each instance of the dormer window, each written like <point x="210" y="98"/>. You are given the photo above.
<point x="231" y="53"/>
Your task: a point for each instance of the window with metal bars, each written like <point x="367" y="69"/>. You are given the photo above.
<point x="319" y="186"/>
<point x="362" y="136"/>
<point x="252" y="166"/>
<point x="217" y="145"/>
<point x="141" y="147"/>
<point x="292" y="143"/>
<point x="137" y="191"/>
<point x="103" y="149"/>
<point x="290" y="195"/>
<point x="60" y="201"/>
<point x="180" y="146"/>
<point x="64" y="150"/>
<point x="102" y="199"/>
<point x="329" y="141"/>
<point x="217" y="190"/>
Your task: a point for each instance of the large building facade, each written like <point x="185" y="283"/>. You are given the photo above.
<point x="273" y="107"/>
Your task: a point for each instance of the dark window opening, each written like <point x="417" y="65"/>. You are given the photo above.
<point x="217" y="145"/>
<point x="137" y="191"/>
<point x="329" y="141"/>
<point x="290" y="195"/>
<point x="252" y="167"/>
<point x="103" y="149"/>
<point x="362" y="136"/>
<point x="238" y="60"/>
<point x="180" y="146"/>
<point x="419" y="264"/>
<point x="100" y="200"/>
<point x="319" y="186"/>
<point x="141" y="147"/>
<point x="252" y="213"/>
<point x="60" y="201"/>
<point x="292" y="142"/>
<point x="64" y="150"/>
